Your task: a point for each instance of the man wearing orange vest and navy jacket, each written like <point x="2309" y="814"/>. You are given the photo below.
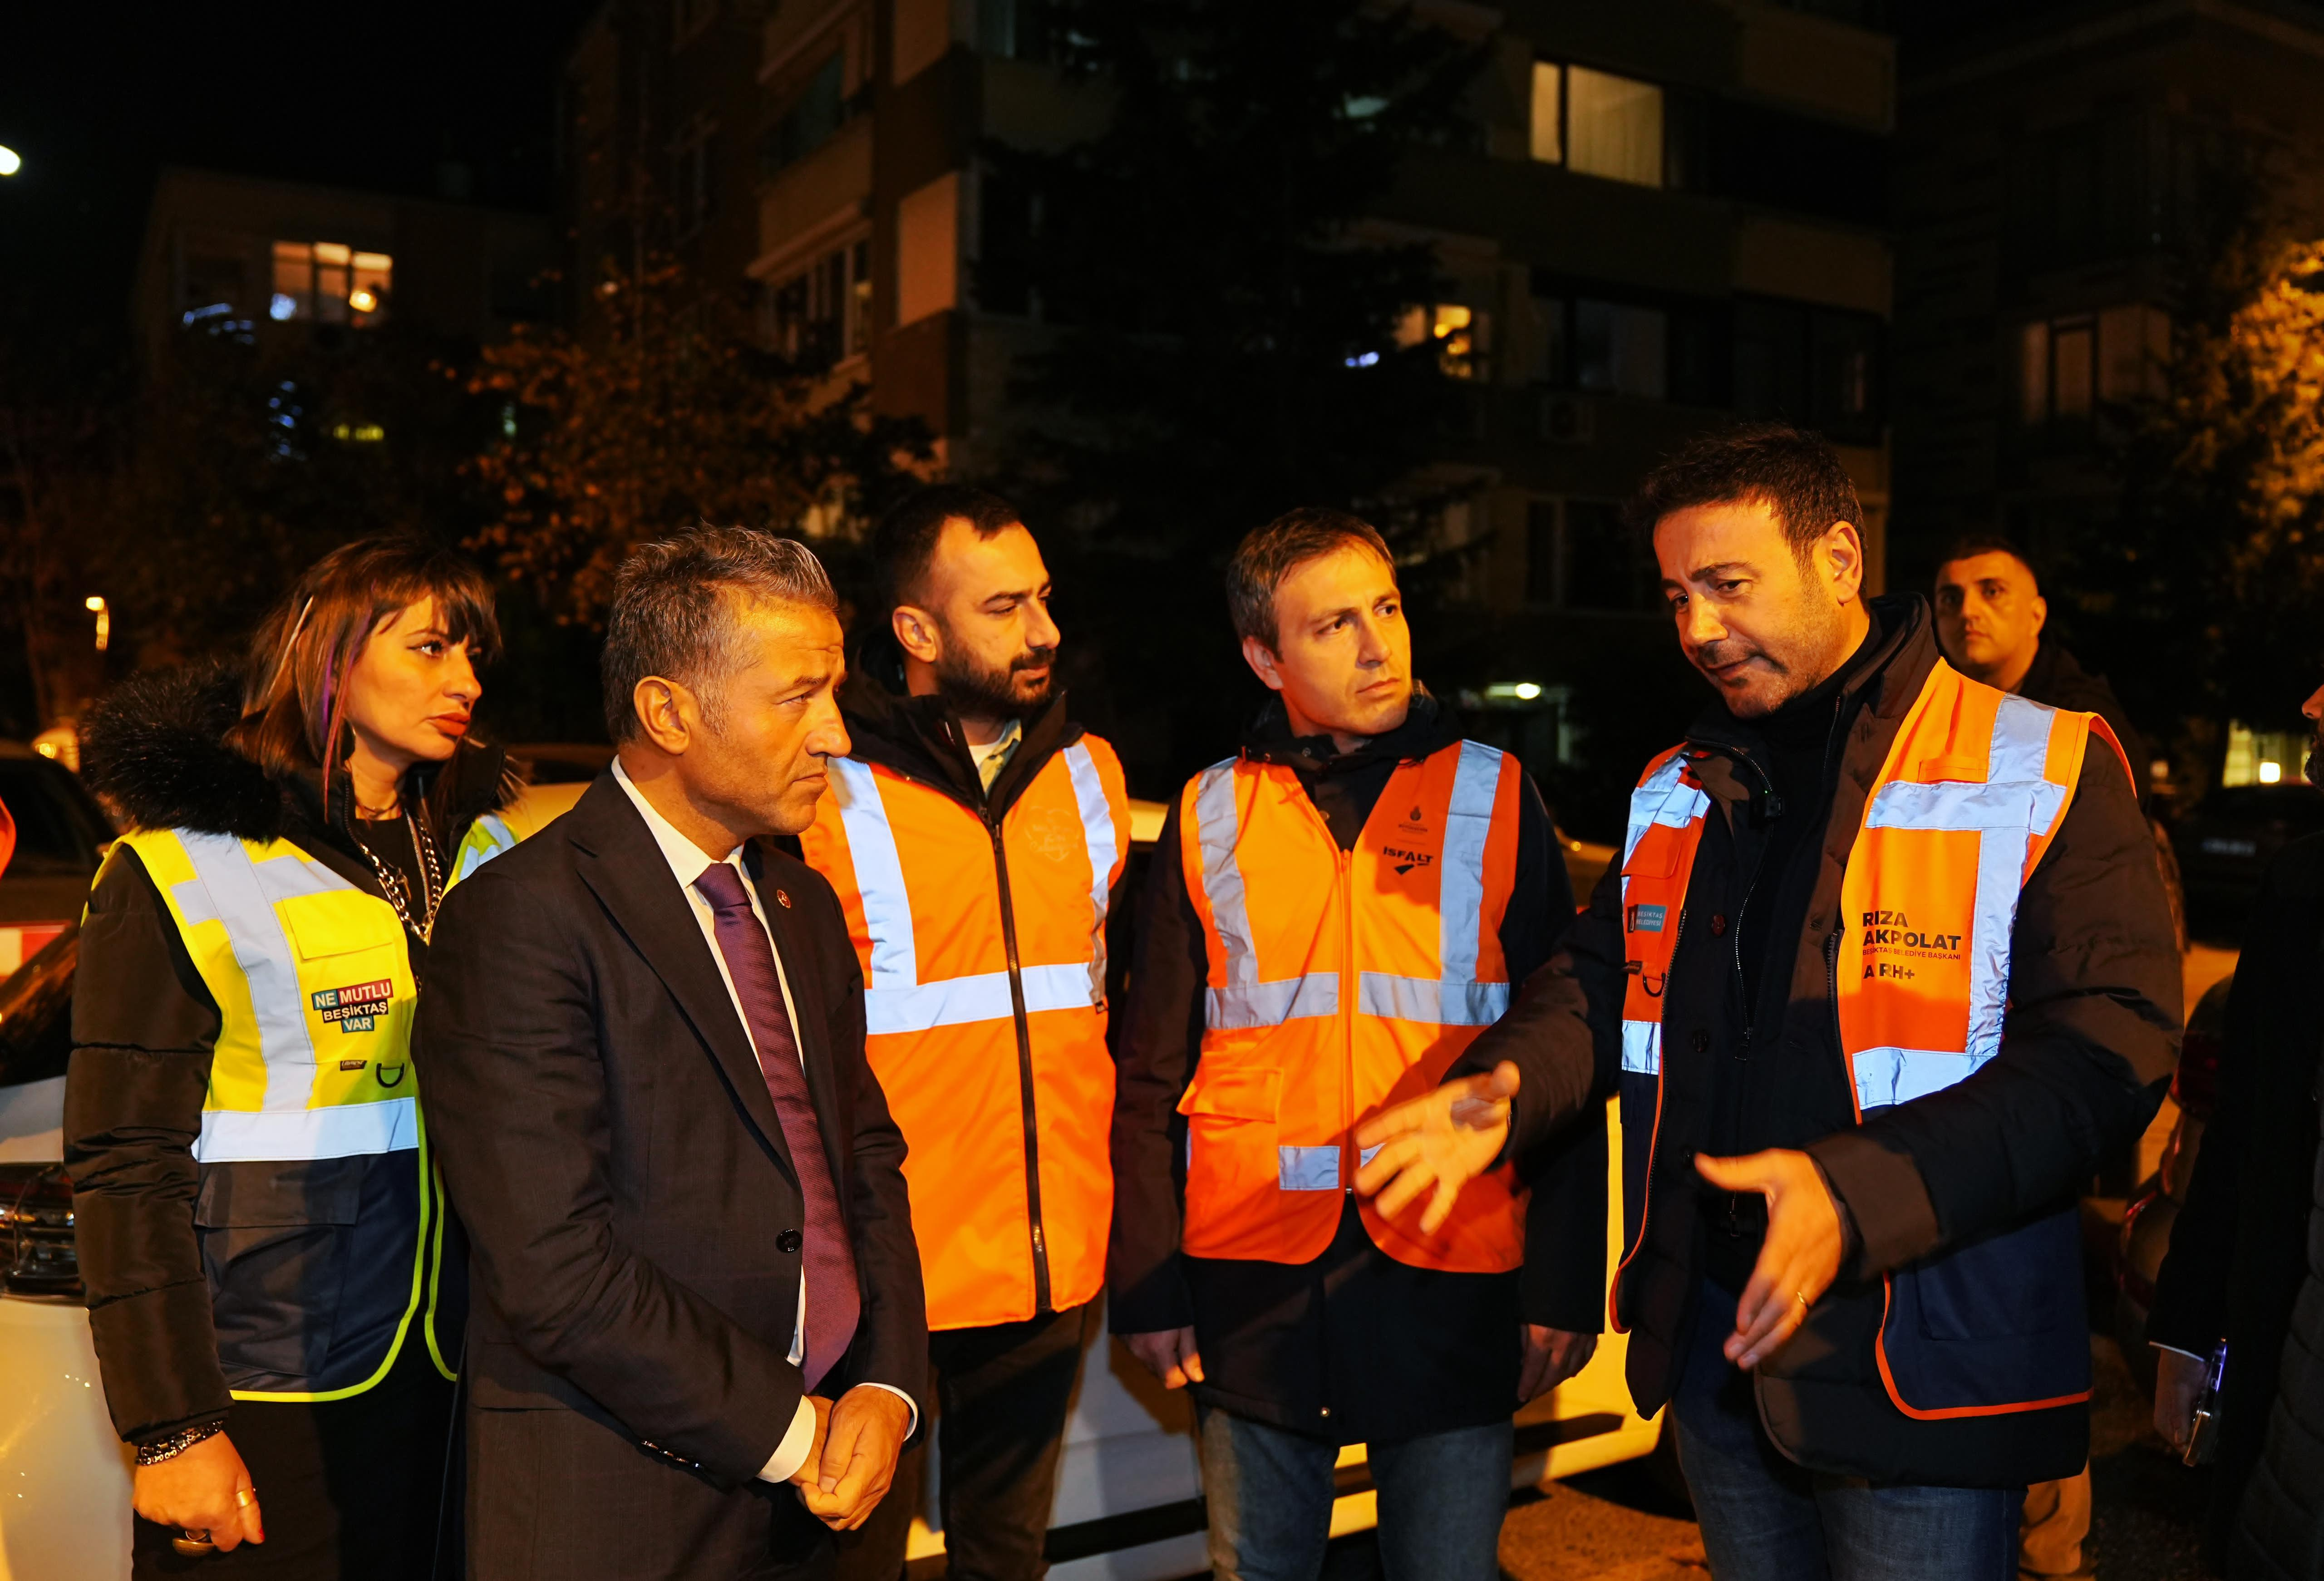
<point x="1331" y="917"/>
<point x="975" y="835"/>
<point x="1884" y="970"/>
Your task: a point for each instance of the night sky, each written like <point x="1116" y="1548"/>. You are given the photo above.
<point x="96" y="97"/>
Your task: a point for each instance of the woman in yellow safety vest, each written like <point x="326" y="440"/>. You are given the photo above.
<point x="275" y="1301"/>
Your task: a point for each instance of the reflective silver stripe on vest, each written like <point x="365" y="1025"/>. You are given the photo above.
<point x="1663" y="798"/>
<point x="1453" y="998"/>
<point x="490" y="836"/>
<point x="1460" y="894"/>
<point x="1271" y="1004"/>
<point x="1425" y="1000"/>
<point x="2006" y="813"/>
<point x="1245" y="1002"/>
<point x="879" y="876"/>
<point x="894" y="998"/>
<point x="1642" y="1048"/>
<point x="1308" y="1169"/>
<point x="1105" y="842"/>
<point x="231" y="889"/>
<point x="959" y="1000"/>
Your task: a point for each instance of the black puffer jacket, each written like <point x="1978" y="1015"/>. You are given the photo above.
<point x="144" y="1025"/>
<point x="2246" y="1240"/>
<point x="2093" y="1028"/>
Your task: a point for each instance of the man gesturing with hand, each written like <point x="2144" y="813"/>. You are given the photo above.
<point x="1884" y="970"/>
<point x="1332" y="916"/>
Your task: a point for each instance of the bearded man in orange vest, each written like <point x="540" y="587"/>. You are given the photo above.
<point x="976" y="836"/>
<point x="1886" y="969"/>
<point x="1332" y="916"/>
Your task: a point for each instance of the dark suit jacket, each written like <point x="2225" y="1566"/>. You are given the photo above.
<point x="608" y="1138"/>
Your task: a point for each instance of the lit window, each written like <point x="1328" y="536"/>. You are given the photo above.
<point x="1548" y="129"/>
<point x="1461" y="336"/>
<point x="329" y="283"/>
<point x="1614" y="126"/>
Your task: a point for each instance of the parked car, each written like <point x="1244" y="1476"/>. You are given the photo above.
<point x="2225" y="845"/>
<point x="61" y="835"/>
<point x="1128" y="1504"/>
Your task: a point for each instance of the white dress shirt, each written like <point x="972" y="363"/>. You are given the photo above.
<point x="687" y="863"/>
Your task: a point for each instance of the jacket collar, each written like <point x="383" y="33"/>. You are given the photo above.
<point x="1724" y="750"/>
<point x="920" y="738"/>
<point x="1428" y="727"/>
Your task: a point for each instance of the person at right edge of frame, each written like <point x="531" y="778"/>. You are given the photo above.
<point x="1332" y="915"/>
<point x="1885" y="969"/>
<point x="975" y="834"/>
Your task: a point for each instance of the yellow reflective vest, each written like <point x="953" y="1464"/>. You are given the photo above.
<point x="322" y="1241"/>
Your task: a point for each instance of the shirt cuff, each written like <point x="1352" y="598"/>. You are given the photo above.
<point x="791" y="1453"/>
<point x="910" y="1403"/>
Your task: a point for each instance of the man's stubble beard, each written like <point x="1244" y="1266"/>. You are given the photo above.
<point x="989" y="693"/>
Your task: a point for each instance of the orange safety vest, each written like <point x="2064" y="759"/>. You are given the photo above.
<point x="1339" y="983"/>
<point x="983" y="955"/>
<point x="1975" y="786"/>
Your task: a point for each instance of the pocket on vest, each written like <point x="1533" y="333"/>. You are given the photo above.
<point x="310" y="1266"/>
<point x="1994" y="1324"/>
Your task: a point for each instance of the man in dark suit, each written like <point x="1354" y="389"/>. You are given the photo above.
<point x="644" y="1046"/>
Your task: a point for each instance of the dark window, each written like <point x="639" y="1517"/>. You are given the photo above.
<point x="1606" y="566"/>
<point x="1621" y="349"/>
<point x="1793" y="161"/>
<point x="822" y="315"/>
<point x="1007" y="213"/>
<point x="1541" y="552"/>
<point x="213" y="280"/>
<point x="814" y="118"/>
<point x="1018" y="28"/>
<point x="694" y="181"/>
<point x="1817" y="366"/>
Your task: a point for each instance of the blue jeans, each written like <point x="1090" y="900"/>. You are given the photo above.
<point x="1442" y="1498"/>
<point x="1765" y="1519"/>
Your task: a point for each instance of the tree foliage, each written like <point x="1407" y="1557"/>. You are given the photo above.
<point x="1232" y="337"/>
<point x="660" y="410"/>
<point x="2207" y="593"/>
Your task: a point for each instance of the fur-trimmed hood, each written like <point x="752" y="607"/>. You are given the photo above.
<point x="155" y="752"/>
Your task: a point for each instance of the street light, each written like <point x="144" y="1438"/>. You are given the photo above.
<point x="9" y="163"/>
<point x="104" y="614"/>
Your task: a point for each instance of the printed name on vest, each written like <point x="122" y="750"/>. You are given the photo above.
<point x="1892" y="933"/>
<point x="355" y="1005"/>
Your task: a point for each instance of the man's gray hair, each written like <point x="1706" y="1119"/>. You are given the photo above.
<point x="671" y="620"/>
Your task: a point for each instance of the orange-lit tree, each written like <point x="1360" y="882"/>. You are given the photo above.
<point x="2208" y="590"/>
<point x="658" y="411"/>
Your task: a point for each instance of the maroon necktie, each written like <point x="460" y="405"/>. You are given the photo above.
<point x="832" y="1301"/>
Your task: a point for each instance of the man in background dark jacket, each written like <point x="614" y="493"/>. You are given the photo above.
<point x="2246" y="1262"/>
<point x="1990" y="617"/>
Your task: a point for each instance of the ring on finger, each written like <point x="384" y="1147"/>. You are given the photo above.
<point x="243" y="1498"/>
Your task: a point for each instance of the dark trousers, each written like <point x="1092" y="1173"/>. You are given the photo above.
<point x="554" y="1495"/>
<point x="348" y="1490"/>
<point x="1002" y="1397"/>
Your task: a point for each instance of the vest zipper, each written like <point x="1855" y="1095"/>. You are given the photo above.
<point x="1041" y="1307"/>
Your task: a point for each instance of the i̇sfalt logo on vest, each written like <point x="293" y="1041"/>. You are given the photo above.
<point x="354" y="1008"/>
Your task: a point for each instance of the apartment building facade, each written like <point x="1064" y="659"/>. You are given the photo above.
<point x="1671" y="213"/>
